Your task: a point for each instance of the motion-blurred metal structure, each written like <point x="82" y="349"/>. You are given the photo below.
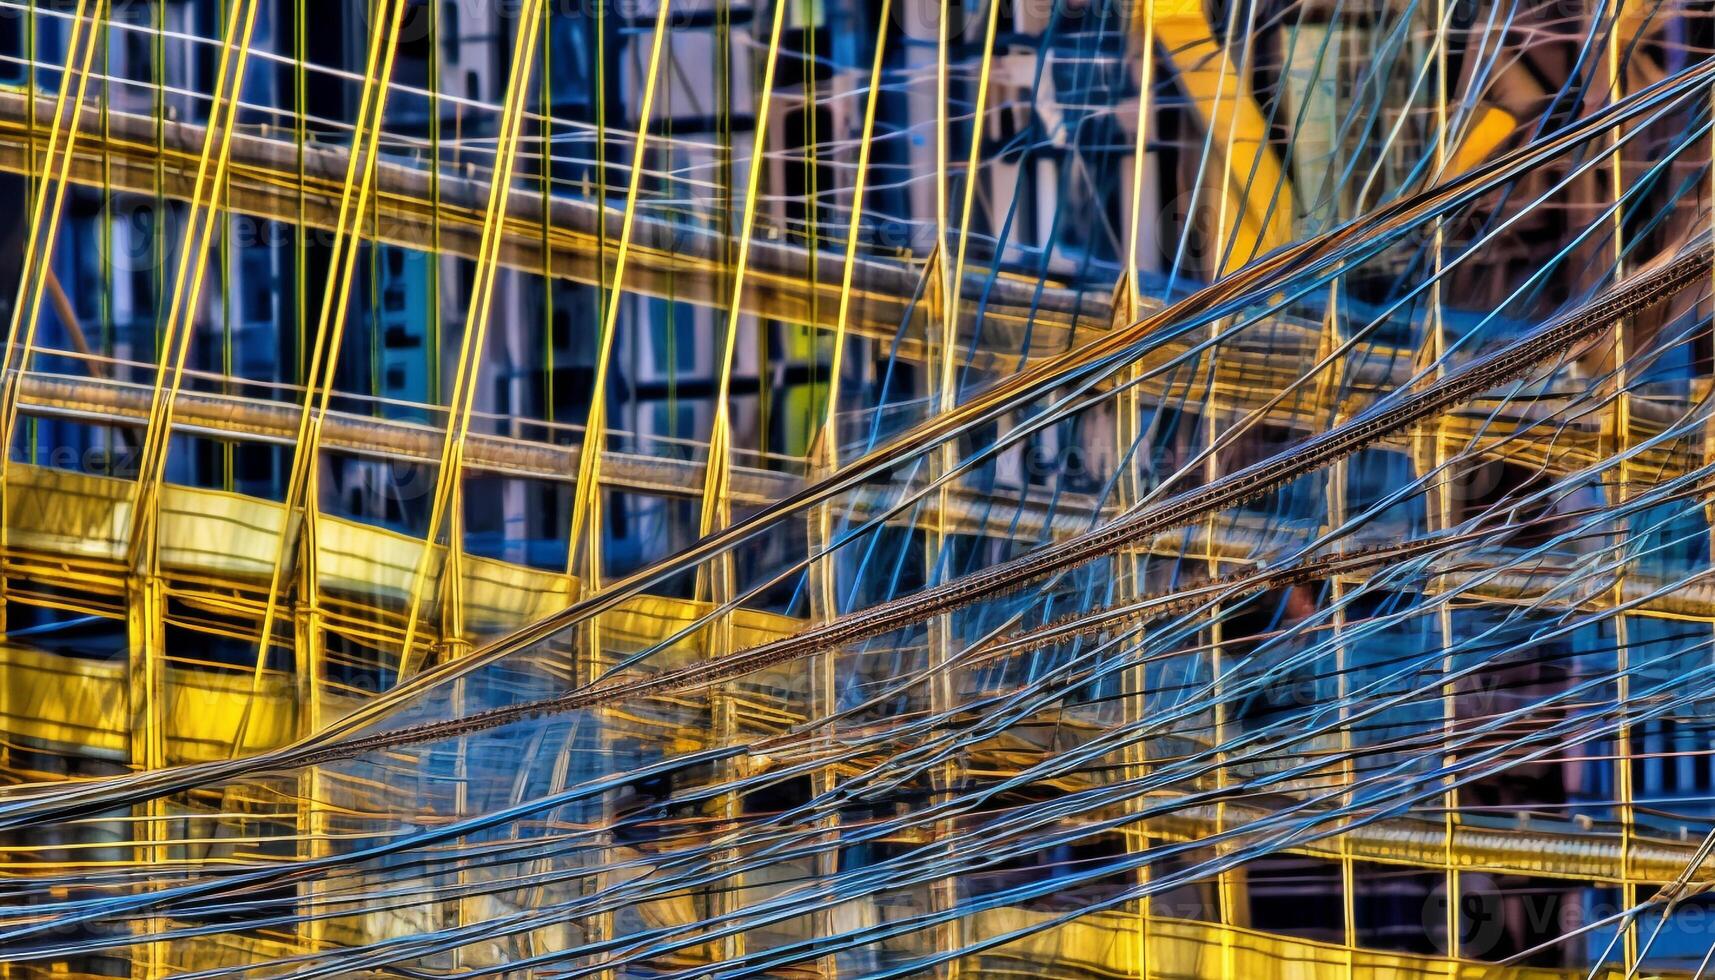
<point x="892" y="488"/>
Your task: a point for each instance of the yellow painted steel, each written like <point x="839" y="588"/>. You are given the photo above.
<point x="1430" y="461"/>
<point x="1253" y="219"/>
<point x="1490" y="129"/>
<point x="1096" y="946"/>
<point x="823" y="457"/>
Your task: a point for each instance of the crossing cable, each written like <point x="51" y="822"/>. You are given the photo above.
<point x="1262" y="277"/>
<point x="1640" y="290"/>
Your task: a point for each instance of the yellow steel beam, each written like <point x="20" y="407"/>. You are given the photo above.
<point x="668" y="257"/>
<point x="276" y="179"/>
<point x="969" y="511"/>
<point x="71" y="704"/>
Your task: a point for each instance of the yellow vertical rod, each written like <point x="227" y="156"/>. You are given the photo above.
<point x="944" y="370"/>
<point x="1227" y="886"/>
<point x="146" y="697"/>
<point x="1439" y="506"/>
<point x="1619" y="428"/>
<point x="1145" y="90"/>
<point x="1128" y="433"/>
<point x="310" y="663"/>
<point x="716" y="579"/>
<point x="49" y="196"/>
<point x="1327" y="397"/>
<point x="753" y="183"/>
<point x="824" y="459"/>
<point x="584" y="544"/>
<point x="585" y="530"/>
<point x="1130" y="565"/>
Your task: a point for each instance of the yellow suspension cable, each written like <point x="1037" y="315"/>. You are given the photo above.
<point x="828" y="439"/>
<point x="80" y="47"/>
<point x="193" y="263"/>
<point x="714" y="506"/>
<point x="26" y="312"/>
<point x="587" y="489"/>
<point x="951" y="289"/>
<point x="476" y="320"/>
<point x="330" y="324"/>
